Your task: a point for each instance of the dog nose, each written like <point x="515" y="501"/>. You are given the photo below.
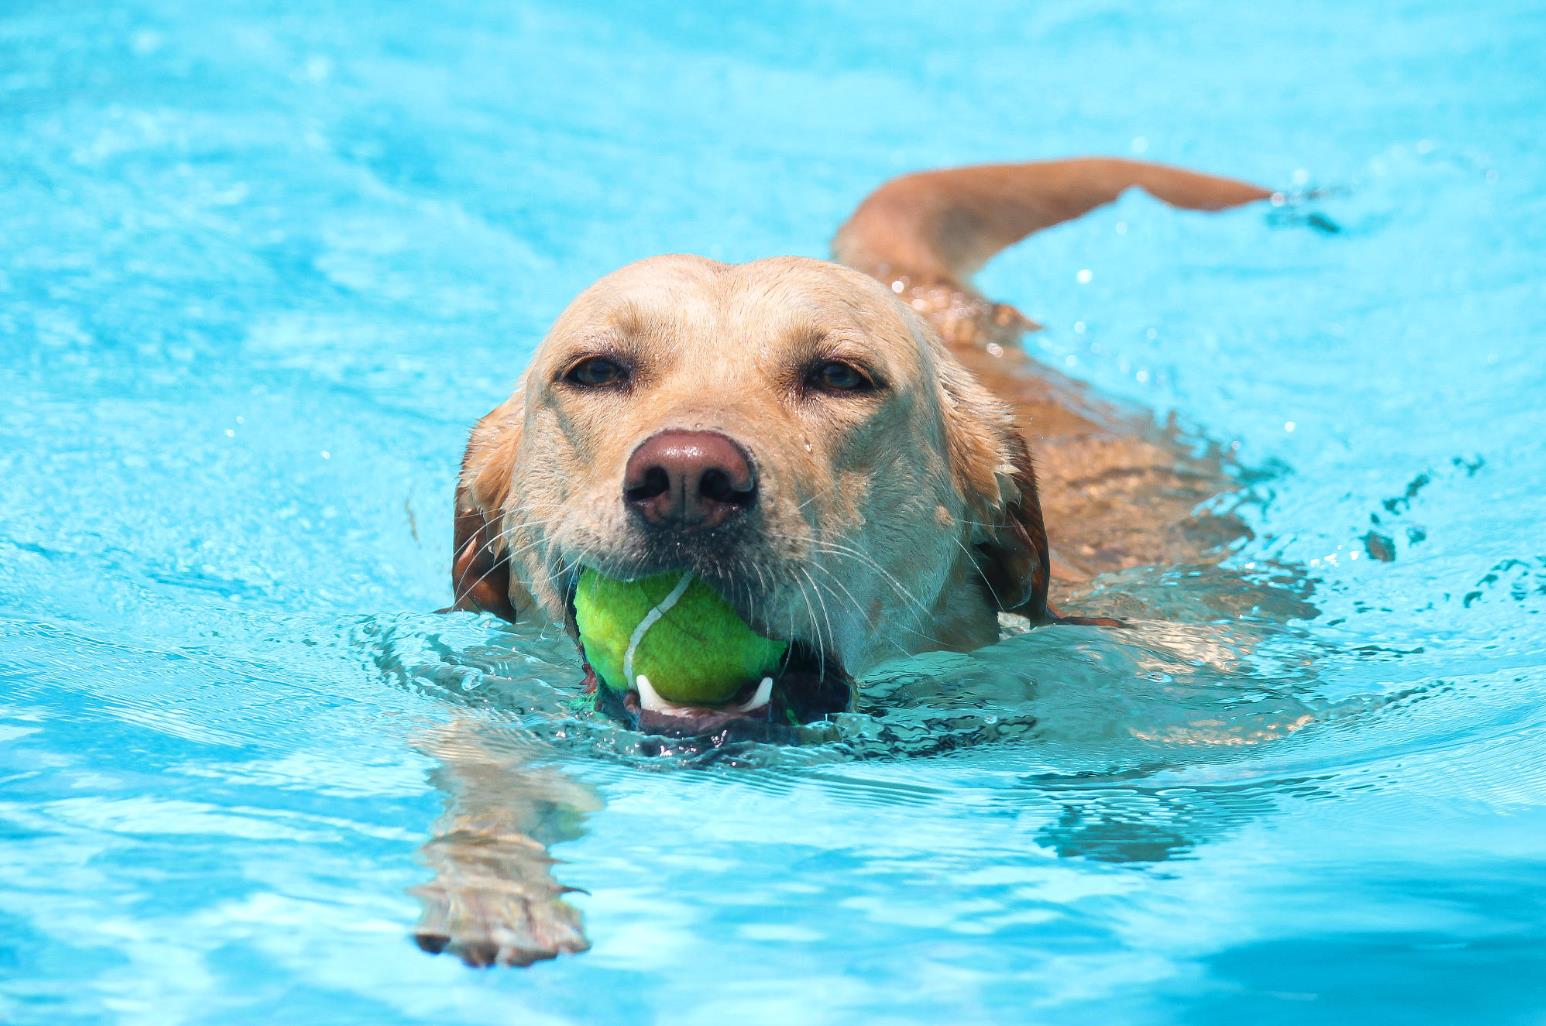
<point x="688" y="479"/>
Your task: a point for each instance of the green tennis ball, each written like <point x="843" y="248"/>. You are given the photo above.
<point x="674" y="630"/>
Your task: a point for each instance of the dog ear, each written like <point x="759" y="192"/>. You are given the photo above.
<point x="480" y="568"/>
<point x="992" y="467"/>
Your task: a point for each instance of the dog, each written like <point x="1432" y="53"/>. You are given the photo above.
<point x="857" y="454"/>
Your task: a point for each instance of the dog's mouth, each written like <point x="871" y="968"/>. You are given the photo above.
<point x="808" y="686"/>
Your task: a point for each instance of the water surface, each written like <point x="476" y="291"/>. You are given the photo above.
<point x="261" y="268"/>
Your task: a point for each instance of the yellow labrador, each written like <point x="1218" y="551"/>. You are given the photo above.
<point x="858" y="455"/>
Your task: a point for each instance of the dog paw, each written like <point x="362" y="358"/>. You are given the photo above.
<point x="504" y="924"/>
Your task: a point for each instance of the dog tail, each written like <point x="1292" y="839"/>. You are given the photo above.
<point x="942" y="226"/>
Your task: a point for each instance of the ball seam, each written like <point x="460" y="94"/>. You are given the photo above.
<point x="650" y="619"/>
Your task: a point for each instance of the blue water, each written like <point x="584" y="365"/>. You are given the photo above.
<point x="262" y="266"/>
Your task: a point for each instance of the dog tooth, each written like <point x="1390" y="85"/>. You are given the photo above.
<point x="760" y="697"/>
<point x="650" y="699"/>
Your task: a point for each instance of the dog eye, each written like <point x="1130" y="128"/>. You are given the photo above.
<point x="839" y="376"/>
<point x="596" y="372"/>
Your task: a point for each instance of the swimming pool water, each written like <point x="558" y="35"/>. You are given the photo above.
<point x="262" y="265"/>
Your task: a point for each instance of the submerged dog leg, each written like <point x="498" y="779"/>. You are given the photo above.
<point x="493" y="899"/>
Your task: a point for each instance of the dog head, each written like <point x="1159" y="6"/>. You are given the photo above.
<point x="787" y="430"/>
